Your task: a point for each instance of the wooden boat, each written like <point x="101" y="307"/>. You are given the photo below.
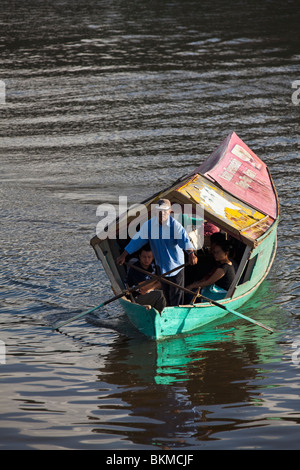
<point x="236" y="191"/>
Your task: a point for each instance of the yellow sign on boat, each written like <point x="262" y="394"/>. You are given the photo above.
<point x="224" y="208"/>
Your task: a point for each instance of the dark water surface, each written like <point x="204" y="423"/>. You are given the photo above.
<point x="109" y="98"/>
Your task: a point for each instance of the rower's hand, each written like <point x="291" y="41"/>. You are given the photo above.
<point x="193" y="286"/>
<point x="145" y="289"/>
<point x="121" y="259"/>
<point x="193" y="258"/>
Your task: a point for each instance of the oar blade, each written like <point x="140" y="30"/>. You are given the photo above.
<point x="250" y="320"/>
<point x="76" y="317"/>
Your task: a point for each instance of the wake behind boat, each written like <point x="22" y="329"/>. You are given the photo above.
<point x="234" y="191"/>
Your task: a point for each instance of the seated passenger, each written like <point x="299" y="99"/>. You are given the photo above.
<point x="219" y="237"/>
<point x="206" y="263"/>
<point x="217" y="284"/>
<point x="216" y="237"/>
<point x="151" y="294"/>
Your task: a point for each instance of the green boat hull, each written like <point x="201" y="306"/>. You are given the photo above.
<point x="182" y="319"/>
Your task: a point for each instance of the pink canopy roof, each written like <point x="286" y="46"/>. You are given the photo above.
<point x="240" y="172"/>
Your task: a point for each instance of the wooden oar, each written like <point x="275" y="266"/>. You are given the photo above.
<point x="217" y="304"/>
<point x="80" y="315"/>
<point x="116" y="297"/>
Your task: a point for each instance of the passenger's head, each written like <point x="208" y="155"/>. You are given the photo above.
<point x="145" y="256"/>
<point x="221" y="251"/>
<point x="217" y="237"/>
<point x="163" y="209"/>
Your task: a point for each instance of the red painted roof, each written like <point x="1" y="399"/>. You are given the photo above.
<point x="240" y="172"/>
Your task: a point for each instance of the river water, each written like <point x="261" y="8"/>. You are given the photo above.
<point x="109" y="98"/>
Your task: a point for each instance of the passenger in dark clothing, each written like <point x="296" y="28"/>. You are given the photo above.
<point x="151" y="294"/>
<point x="216" y="238"/>
<point x="217" y="284"/>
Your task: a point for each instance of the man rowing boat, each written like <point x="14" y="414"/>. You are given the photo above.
<point x="168" y="240"/>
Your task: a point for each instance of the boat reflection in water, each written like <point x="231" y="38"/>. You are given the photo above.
<point x="190" y="387"/>
<point x="192" y="356"/>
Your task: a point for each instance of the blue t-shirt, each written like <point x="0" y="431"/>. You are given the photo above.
<point x="168" y="243"/>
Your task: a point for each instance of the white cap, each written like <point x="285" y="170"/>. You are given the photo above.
<point x="163" y="205"/>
